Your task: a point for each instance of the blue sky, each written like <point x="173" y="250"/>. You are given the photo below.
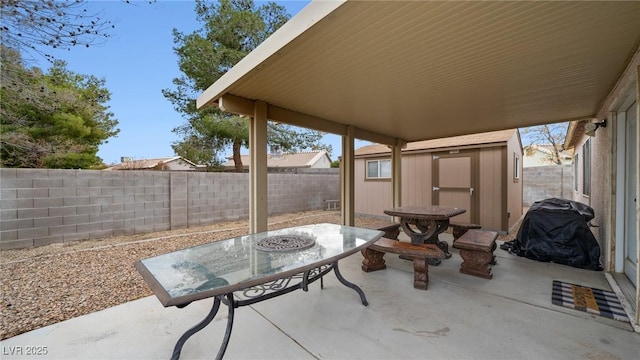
<point x="137" y="62"/>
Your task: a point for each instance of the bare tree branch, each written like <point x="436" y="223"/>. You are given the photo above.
<point x="30" y="26"/>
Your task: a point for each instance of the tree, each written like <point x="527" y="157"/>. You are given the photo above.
<point x="550" y="134"/>
<point x="52" y="120"/>
<point x="30" y="26"/>
<point x="231" y="29"/>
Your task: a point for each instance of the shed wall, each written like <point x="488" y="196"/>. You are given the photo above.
<point x="373" y="196"/>
<point x="491" y="192"/>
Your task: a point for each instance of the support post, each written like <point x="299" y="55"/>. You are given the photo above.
<point x="258" y="207"/>
<point x="396" y="173"/>
<point x="347" y="198"/>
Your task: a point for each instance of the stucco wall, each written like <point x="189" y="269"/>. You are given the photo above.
<point x="39" y="206"/>
<point x="600" y="183"/>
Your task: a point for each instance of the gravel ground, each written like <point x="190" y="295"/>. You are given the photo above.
<point x="48" y="284"/>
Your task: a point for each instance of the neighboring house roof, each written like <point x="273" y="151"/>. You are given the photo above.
<point x="493" y="137"/>
<point x="177" y="162"/>
<point x="575" y="131"/>
<point x="540" y="155"/>
<point x="546" y="149"/>
<point x="286" y="160"/>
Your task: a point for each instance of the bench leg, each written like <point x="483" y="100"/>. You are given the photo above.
<point x="420" y="273"/>
<point x="457" y="232"/>
<point x="392" y="234"/>
<point x="476" y="263"/>
<point x="373" y="260"/>
<point x="493" y="257"/>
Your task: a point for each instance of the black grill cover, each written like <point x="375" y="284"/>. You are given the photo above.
<point x="556" y="230"/>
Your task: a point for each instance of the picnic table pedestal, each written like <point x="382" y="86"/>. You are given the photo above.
<point x="424" y="224"/>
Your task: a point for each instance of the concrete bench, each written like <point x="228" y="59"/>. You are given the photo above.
<point x="332" y="204"/>
<point x="476" y="249"/>
<point x="459" y="229"/>
<point x="373" y="258"/>
<point x="391" y="229"/>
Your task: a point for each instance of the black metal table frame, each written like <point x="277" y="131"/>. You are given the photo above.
<point x="259" y="293"/>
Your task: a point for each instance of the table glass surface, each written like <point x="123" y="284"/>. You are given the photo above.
<point x="224" y="266"/>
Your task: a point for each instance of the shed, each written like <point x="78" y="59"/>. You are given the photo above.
<point x="481" y="173"/>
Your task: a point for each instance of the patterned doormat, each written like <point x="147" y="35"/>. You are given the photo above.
<point x="590" y="300"/>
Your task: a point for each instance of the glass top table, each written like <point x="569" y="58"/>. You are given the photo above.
<point x="243" y="270"/>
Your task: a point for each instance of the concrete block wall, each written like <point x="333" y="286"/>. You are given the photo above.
<point x="543" y="182"/>
<point x="40" y="206"/>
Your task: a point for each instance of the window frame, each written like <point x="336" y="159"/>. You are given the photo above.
<point x="576" y="168"/>
<point x="516" y="167"/>
<point x="586" y="168"/>
<point x="379" y="175"/>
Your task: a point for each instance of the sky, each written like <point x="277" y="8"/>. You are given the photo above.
<point x="137" y="62"/>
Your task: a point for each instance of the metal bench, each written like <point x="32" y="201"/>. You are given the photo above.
<point x="476" y="249"/>
<point x="420" y="253"/>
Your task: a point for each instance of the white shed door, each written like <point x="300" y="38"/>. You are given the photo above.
<point x="455" y="183"/>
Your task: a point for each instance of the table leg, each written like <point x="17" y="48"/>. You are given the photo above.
<point x="441" y="226"/>
<point x="349" y="284"/>
<point x="201" y="325"/>
<point x="428" y="231"/>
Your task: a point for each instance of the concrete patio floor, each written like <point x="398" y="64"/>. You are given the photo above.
<point x="458" y="317"/>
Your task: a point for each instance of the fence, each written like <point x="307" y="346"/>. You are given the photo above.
<point x="543" y="182"/>
<point x="39" y="206"/>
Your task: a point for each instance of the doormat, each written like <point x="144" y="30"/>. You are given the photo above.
<point x="590" y="300"/>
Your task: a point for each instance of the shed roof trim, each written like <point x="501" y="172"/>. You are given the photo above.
<point x="495" y="137"/>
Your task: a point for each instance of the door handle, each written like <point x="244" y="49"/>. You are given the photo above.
<point x="435" y="188"/>
<point x="470" y="191"/>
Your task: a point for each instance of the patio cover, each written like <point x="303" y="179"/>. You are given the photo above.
<point x="393" y="72"/>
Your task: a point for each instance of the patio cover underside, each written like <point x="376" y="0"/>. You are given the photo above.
<point x="425" y="70"/>
<point x="394" y="72"/>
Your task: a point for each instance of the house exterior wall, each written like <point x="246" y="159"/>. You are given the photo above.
<point x="538" y="158"/>
<point x="40" y="206"/>
<point x="373" y="196"/>
<point x="322" y="163"/>
<point x="607" y="189"/>
<point x="600" y="183"/>
<point x="179" y="165"/>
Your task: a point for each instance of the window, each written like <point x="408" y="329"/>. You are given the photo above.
<point x="378" y="169"/>
<point x="586" y="168"/>
<point x="576" y="163"/>
<point x="516" y="167"/>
